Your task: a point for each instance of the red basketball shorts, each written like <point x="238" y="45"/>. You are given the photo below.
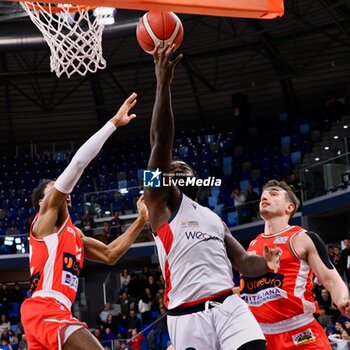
<point x="309" y="337"/>
<point x="43" y="320"/>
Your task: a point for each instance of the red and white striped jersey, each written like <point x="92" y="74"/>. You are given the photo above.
<point x="192" y="255"/>
<point x="275" y="297"/>
<point x="55" y="263"/>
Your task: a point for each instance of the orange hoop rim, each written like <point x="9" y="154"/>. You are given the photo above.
<point x="56" y="9"/>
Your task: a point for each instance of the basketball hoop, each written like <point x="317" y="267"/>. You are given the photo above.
<point x="74" y="37"/>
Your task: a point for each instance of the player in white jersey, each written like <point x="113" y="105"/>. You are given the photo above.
<point x="203" y="313"/>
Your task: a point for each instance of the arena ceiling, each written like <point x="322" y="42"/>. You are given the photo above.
<point x="286" y="64"/>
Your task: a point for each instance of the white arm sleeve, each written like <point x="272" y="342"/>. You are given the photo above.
<point x="85" y="154"/>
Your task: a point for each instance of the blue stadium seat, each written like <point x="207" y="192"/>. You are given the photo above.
<point x="215" y="191"/>
<point x="232" y="219"/>
<point x="285" y="140"/>
<point x="183" y="151"/>
<point x="244" y="184"/>
<point x="144" y="345"/>
<point x="212" y="201"/>
<point x="154" y="315"/>
<point x="162" y="340"/>
<point x="227" y="160"/>
<point x="14" y="328"/>
<point x="227" y="170"/>
<point x="140" y="173"/>
<point x="283" y="117"/>
<point x="304" y="129"/>
<point x="295" y="157"/>
<point x="122" y="184"/>
<point x="13" y="312"/>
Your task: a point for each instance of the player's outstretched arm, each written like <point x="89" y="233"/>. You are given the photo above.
<point x="65" y="183"/>
<point x="250" y="265"/>
<point x="111" y="253"/>
<point x="310" y="247"/>
<point x="162" y="136"/>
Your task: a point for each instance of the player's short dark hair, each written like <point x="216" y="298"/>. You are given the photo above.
<point x="38" y="193"/>
<point x="290" y="195"/>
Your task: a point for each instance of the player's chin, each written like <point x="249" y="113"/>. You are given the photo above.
<point x="264" y="212"/>
<point x="267" y="213"/>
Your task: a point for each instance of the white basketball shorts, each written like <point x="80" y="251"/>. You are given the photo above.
<point x="225" y="326"/>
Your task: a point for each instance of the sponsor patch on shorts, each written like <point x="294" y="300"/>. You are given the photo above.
<point x="304" y="337"/>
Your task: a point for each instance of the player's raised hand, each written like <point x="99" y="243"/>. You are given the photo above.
<point x="163" y="64"/>
<point x="142" y="209"/>
<point x="272" y="257"/>
<point x="122" y="117"/>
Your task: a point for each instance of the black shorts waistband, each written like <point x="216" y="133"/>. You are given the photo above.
<point x="179" y="311"/>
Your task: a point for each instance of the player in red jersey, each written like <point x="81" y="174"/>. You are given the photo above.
<point x="283" y="302"/>
<point x="57" y="250"/>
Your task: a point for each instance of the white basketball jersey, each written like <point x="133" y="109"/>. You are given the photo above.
<point x="192" y="255"/>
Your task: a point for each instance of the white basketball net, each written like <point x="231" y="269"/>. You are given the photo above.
<point x="75" y="40"/>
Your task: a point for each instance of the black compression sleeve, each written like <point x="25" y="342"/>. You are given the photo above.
<point x="321" y="248"/>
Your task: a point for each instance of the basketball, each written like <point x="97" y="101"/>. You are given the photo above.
<point x="159" y="27"/>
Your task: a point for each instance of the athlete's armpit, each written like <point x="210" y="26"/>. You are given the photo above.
<point x="321" y="248"/>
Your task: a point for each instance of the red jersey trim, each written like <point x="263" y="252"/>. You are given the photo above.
<point x="166" y="236"/>
<point x="279" y="232"/>
<point x="31" y="230"/>
<point x="202" y="300"/>
<point x="291" y="246"/>
<point x="63" y="226"/>
<point x="294" y="253"/>
<point x="168" y="284"/>
<point x="59" y="231"/>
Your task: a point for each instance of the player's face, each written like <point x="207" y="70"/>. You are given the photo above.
<point x="274" y="203"/>
<point x="181" y="170"/>
<point x="181" y="167"/>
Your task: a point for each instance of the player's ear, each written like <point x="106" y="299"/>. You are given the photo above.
<point x="290" y="208"/>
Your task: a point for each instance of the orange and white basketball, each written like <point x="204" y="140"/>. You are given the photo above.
<point x="159" y="27"/>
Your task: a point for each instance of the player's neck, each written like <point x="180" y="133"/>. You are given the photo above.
<point x="275" y="225"/>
